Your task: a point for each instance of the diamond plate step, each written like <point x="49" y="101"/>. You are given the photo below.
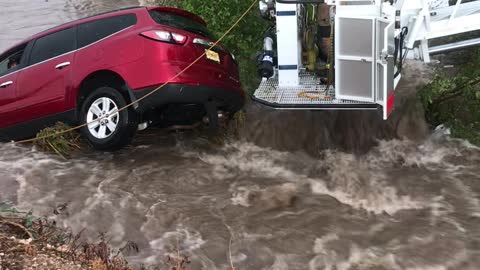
<point x="310" y="94"/>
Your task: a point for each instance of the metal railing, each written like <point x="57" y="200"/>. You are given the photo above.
<point x="455" y="10"/>
<point x="353" y="2"/>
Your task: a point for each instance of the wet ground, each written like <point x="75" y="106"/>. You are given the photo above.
<point x="300" y="190"/>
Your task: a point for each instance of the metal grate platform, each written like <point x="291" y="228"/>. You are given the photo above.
<point x="310" y="94"/>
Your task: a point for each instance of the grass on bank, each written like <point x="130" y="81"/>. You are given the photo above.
<point x="454" y="99"/>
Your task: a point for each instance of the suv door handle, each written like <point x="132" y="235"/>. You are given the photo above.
<point x="62" y="65"/>
<point x="6" y="84"/>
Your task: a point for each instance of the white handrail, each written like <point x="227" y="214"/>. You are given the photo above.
<point x="454" y="13"/>
<point x="354" y="2"/>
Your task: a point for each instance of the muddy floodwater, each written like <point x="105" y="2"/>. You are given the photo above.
<point x="299" y="190"/>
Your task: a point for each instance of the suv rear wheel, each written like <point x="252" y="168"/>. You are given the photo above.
<point x="114" y="131"/>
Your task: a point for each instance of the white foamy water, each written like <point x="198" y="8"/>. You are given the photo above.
<point x="358" y="182"/>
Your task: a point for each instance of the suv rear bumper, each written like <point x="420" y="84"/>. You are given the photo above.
<point x="230" y="100"/>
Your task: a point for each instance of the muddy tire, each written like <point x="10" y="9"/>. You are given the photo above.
<point x="110" y="133"/>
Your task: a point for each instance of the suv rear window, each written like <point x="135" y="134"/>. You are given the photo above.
<point x="94" y="31"/>
<point x="179" y="21"/>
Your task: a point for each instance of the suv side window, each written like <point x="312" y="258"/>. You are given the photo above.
<point x="53" y="45"/>
<point x="12" y="60"/>
<point x="94" y="31"/>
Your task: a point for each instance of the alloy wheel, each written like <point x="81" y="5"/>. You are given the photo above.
<point x="106" y="111"/>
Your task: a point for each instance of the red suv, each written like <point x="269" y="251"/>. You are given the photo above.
<point x="86" y="69"/>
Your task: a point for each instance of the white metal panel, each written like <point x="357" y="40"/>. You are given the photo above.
<point x="353" y="2"/>
<point x="381" y="71"/>
<point x="384" y="79"/>
<point x="287" y="44"/>
<point x="358" y="10"/>
<point x="355" y="58"/>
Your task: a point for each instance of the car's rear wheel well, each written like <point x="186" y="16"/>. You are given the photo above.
<point x="100" y="79"/>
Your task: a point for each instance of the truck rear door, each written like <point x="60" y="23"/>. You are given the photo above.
<point x="364" y="47"/>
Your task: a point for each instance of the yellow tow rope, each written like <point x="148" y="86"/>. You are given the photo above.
<point x="312" y="95"/>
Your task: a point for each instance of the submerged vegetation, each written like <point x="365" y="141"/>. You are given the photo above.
<point x="454" y="100"/>
<point x="27" y="242"/>
<point x="63" y="141"/>
<point x="55" y="139"/>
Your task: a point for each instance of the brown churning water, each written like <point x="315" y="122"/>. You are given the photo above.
<point x="300" y="190"/>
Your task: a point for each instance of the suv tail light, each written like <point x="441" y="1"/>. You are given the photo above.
<point x="165" y="36"/>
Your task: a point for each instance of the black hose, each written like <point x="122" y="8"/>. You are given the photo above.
<point x="399" y="56"/>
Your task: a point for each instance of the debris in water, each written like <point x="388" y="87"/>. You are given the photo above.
<point x="39" y="244"/>
<point x="62" y="144"/>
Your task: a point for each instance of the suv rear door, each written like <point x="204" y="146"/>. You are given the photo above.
<point x="8" y="83"/>
<point x="44" y="85"/>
